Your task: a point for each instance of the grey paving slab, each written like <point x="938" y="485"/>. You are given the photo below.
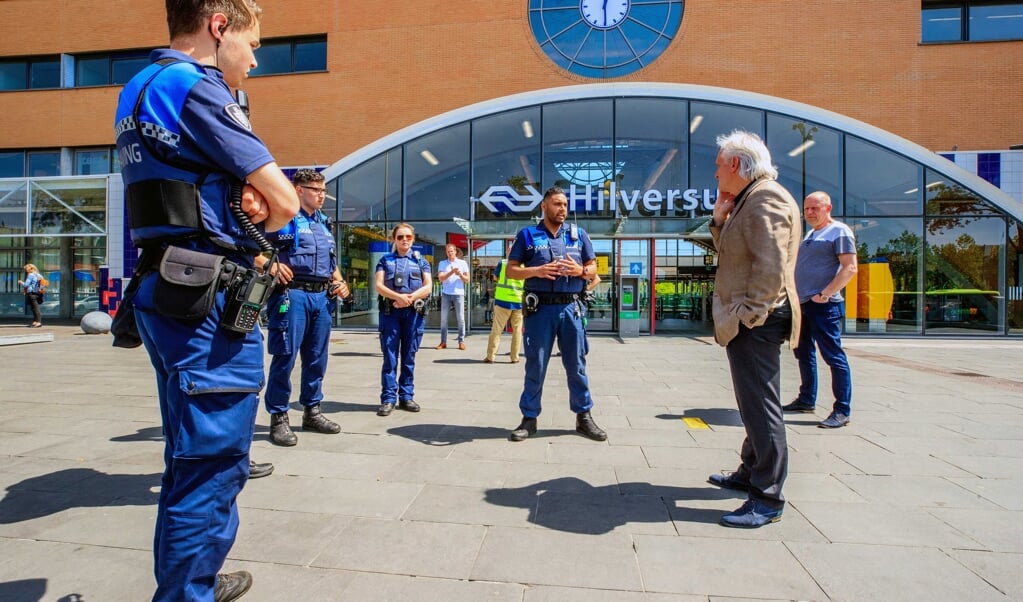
<point x="1001" y="570"/>
<point x="725" y="567"/>
<point x="869" y="572"/>
<point x="545" y="557"/>
<point x="1007" y="493"/>
<point x="417" y="548"/>
<point x="998" y="531"/>
<point x="382" y="587"/>
<point x="883" y="524"/>
<point x="929" y="469"/>
<point x="914" y="491"/>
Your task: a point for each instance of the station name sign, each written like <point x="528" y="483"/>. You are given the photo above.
<point x="600" y="201"/>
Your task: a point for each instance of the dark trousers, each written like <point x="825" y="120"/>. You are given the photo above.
<point x="754" y="358"/>
<point x="32" y="302"/>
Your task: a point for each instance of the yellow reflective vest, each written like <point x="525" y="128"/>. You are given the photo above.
<point x="508" y="292"/>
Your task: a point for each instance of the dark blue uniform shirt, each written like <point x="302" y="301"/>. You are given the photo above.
<point x="534" y="246"/>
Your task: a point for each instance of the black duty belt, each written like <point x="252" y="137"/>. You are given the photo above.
<point x="554" y="299"/>
<point x="309" y="287"/>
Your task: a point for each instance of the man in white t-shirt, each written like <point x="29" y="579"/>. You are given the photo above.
<point x="453" y="274"/>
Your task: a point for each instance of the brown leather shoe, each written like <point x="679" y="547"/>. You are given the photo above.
<point x="487" y="360"/>
<point x="441" y="346"/>
<point x="461" y="346"/>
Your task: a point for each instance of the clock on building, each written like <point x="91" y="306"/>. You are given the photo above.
<point x="604" y="38"/>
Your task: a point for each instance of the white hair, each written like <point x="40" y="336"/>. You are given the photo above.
<point x="754" y="158"/>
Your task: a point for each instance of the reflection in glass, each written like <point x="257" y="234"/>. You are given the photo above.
<point x="707" y="122"/>
<point x="506" y="152"/>
<point x="371" y="192"/>
<point x="43" y="163"/>
<point x="949" y="198"/>
<point x="12" y="207"/>
<point x="577" y="145"/>
<point x="996" y="21"/>
<point x="1014" y="277"/>
<point x="879" y="182"/>
<point x="963" y="260"/>
<point x="941" y="24"/>
<point x="808" y="157"/>
<point x="74" y="205"/>
<point x="890" y="255"/>
<point x="437" y="175"/>
<point x="651" y="147"/>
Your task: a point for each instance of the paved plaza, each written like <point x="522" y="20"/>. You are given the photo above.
<point x="920" y="498"/>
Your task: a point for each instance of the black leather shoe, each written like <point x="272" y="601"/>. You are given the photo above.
<point x="280" y="430"/>
<point x="728" y="481"/>
<point x="314" y="420"/>
<point x="798" y="406"/>
<point x="385" y="409"/>
<point x="409" y="406"/>
<point x="585" y="425"/>
<point x="526" y="428"/>
<point x="258" y="471"/>
<point x="231" y="586"/>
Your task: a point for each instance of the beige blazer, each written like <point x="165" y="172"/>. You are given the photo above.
<point x="757" y="247"/>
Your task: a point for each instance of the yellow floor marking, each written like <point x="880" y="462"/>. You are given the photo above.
<point x="695" y="423"/>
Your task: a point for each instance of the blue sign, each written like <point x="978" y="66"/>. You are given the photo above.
<point x="636" y="267"/>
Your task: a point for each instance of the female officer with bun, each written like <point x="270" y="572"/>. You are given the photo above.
<point x="403" y="282"/>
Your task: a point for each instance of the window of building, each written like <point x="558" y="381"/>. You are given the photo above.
<point x="296" y="55"/>
<point x="109" y="68"/>
<point x="505" y="152"/>
<point x="707" y="121"/>
<point x="92" y="161"/>
<point x="33" y="164"/>
<point x="30" y="73"/>
<point x="578" y="144"/>
<point x="971" y="20"/>
<point x="809" y="158"/>
<point x="880" y="182"/>
<point x="437" y="175"/>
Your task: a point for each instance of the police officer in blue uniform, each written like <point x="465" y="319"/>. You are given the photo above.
<point x="404" y="283"/>
<point x="184" y="145"/>
<point x="300" y="311"/>
<point x="556" y="260"/>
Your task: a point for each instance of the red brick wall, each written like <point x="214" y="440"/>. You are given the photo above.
<point x="395" y="62"/>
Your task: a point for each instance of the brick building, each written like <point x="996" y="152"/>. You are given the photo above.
<point x="884" y="92"/>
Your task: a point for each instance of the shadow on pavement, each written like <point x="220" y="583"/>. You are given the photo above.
<point x="446" y="434"/>
<point x="572" y="505"/>
<point x="48" y="494"/>
<point x="149" y="433"/>
<point x="25" y="590"/>
<point x="713" y="416"/>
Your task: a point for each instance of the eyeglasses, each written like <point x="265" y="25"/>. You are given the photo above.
<point x="315" y="190"/>
<point x="404" y="236"/>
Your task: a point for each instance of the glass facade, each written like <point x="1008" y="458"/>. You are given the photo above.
<point x="936" y="256"/>
<point x="59" y="224"/>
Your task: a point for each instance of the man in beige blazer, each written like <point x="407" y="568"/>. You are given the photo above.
<point x="757" y="231"/>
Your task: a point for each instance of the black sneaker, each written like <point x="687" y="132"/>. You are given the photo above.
<point x="798" y="406"/>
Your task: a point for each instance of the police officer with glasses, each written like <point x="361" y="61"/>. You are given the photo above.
<point x="556" y="260"/>
<point x="196" y="180"/>
<point x="300" y="311"/>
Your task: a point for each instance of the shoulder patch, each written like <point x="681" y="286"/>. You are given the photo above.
<point x="238" y="114"/>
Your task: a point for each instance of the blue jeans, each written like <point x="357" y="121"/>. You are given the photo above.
<point x="822" y="329"/>
<point x="447" y="303"/>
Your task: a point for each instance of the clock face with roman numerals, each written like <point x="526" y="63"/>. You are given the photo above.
<point x="604" y="38"/>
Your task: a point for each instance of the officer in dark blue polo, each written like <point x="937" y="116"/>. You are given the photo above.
<point x="556" y="260"/>
<point x="185" y="146"/>
<point x="299" y="312"/>
<point x="403" y="282"/>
